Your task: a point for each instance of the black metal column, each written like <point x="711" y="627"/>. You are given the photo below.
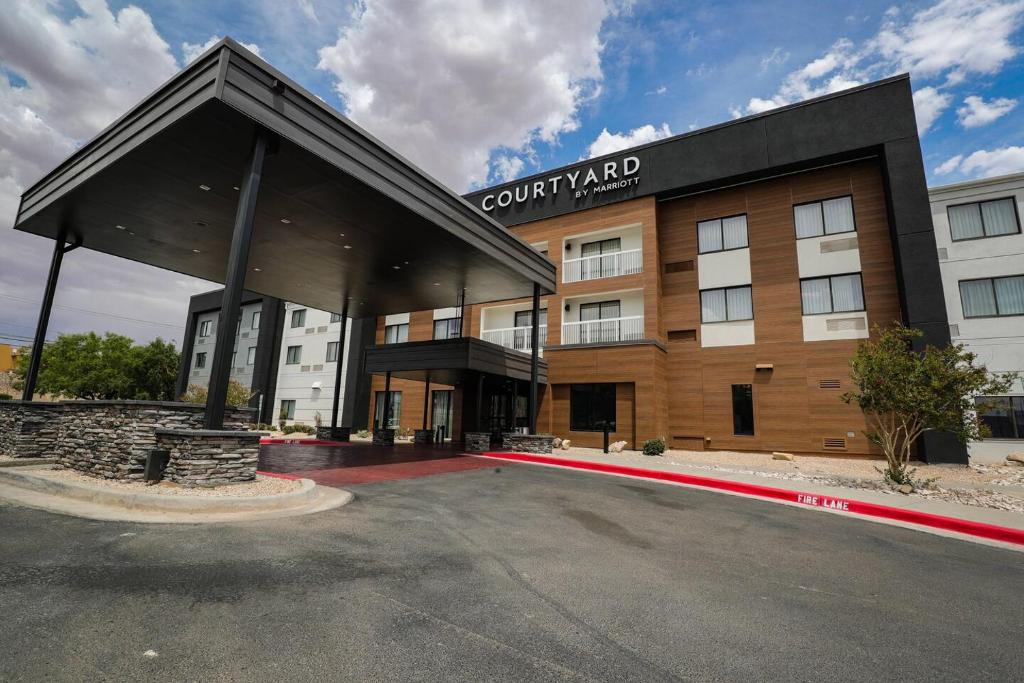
<point x="337" y="370"/>
<point x="426" y="401"/>
<point x="386" y="408"/>
<point x="238" y="264"/>
<point x="59" y="249"/>
<point x="534" y="359"/>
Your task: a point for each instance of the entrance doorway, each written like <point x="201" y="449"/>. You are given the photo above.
<point x="441" y="401"/>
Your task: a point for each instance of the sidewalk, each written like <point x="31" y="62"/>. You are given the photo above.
<point x="917" y="512"/>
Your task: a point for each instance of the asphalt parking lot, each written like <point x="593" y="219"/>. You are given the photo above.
<point x="507" y="573"/>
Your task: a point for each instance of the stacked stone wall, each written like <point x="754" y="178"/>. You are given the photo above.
<point x="525" y="443"/>
<point x="209" y="458"/>
<point x="29" y="429"/>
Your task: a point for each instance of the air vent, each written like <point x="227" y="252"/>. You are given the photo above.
<point x="304" y="368"/>
<point x="310" y="330"/>
<point x="943" y="253"/>
<point x="195" y="373"/>
<point x="834" y="444"/>
<point x="828" y="384"/>
<point x="845" y="244"/>
<point x="678" y="266"/>
<point x="954" y="330"/>
<point x="322" y="328"/>
<point x="317" y="368"/>
<point x="682" y="335"/>
<point x="843" y="324"/>
<point x="245" y="335"/>
<point x="200" y="341"/>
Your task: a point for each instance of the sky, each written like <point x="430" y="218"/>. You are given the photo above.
<point x="478" y="92"/>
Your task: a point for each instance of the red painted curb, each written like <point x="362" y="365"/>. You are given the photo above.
<point x="278" y="475"/>
<point x="858" y="507"/>
<point x="303" y="442"/>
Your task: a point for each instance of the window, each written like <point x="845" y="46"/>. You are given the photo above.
<point x="827" y="217"/>
<point x="523" y="333"/>
<point x="447" y="328"/>
<point x="204" y="328"/>
<point x="251" y="358"/>
<point x="335" y="317"/>
<point x="255" y="323"/>
<point x="992" y="297"/>
<point x="299" y="318"/>
<point x="833" y="294"/>
<point x="591" y="407"/>
<point x="600" y="267"/>
<point x="395" y="413"/>
<point x="1004" y="415"/>
<point x="201" y="359"/>
<point x="726" y="304"/>
<point x="983" y="219"/>
<point x="722" y="234"/>
<point x="287" y="411"/>
<point x="396" y="334"/>
<point x="294" y="355"/>
<point x="332" y="352"/>
<point x="742" y="410"/>
<point x="234" y="354"/>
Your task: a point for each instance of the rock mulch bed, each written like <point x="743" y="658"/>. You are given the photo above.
<point x="263" y="486"/>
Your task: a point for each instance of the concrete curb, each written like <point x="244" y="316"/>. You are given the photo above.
<point x="154" y="502"/>
<point x="24" y="462"/>
<point x="1007" y="537"/>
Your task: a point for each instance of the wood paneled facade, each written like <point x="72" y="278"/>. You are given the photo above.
<point x="668" y="385"/>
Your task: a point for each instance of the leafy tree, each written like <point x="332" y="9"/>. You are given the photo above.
<point x="238" y="394"/>
<point x="905" y="393"/>
<point x="109" y="367"/>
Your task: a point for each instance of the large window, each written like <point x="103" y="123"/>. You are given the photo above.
<point x="394" y="414"/>
<point x="729" y="303"/>
<point x="251" y="358"/>
<point x="335" y="317"/>
<point x="600" y="267"/>
<point x="591" y="407"/>
<point x="205" y="327"/>
<point x="396" y="334"/>
<point x="833" y="294"/>
<point x="447" y="328"/>
<point x="742" y="410"/>
<point x="299" y="318"/>
<point x="1004" y="415"/>
<point x="201" y="359"/>
<point x="827" y="217"/>
<point x="992" y="297"/>
<point x="287" y="411"/>
<point x="332" y="352"/>
<point x="293" y="356"/>
<point x="983" y="219"/>
<point x="722" y="234"/>
<point x="255" y="323"/>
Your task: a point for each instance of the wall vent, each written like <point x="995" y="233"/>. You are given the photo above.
<point x="678" y="266"/>
<point x="200" y="341"/>
<point x="322" y="328"/>
<point x="828" y="384"/>
<point x="834" y="444"/>
<point x="943" y="253"/>
<point x="842" y="324"/>
<point x="195" y="373"/>
<point x="310" y="330"/>
<point x="317" y="368"/>
<point x="245" y="335"/>
<point x="838" y="245"/>
<point x="304" y="368"/>
<point x="954" y="330"/>
<point x="682" y="335"/>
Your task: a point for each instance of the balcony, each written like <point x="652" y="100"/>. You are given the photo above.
<point x="629" y="328"/>
<point x="603" y="265"/>
<point x="516" y="338"/>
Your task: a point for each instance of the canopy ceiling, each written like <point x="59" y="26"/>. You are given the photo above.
<point x="339" y="215"/>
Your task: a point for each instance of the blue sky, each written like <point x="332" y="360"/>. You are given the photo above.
<point x="480" y="91"/>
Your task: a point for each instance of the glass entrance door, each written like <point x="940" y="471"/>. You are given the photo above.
<point x="441" y="410"/>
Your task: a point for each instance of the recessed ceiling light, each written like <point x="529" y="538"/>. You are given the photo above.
<point x="405" y="262"/>
<point x="201" y="224"/>
<point x="204" y="188"/>
<point x="348" y="246"/>
<point x="437" y="284"/>
<point x="341" y="234"/>
<point x="234" y="187"/>
<point x="131" y="234"/>
<point x="120" y="227"/>
<point x="258" y="270"/>
<point x="285" y="221"/>
<point x="397" y="267"/>
<point x="195" y="251"/>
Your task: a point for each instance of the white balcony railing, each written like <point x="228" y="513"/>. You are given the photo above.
<point x="603" y="331"/>
<point x="602" y="265"/>
<point x="518" y="338"/>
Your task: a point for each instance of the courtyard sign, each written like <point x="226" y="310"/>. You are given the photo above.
<point x="610" y="175"/>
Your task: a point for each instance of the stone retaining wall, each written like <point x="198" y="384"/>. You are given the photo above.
<point x="423" y="436"/>
<point x="200" y="457"/>
<point x="336" y="434"/>
<point x="477" y="442"/>
<point x="525" y="443"/>
<point x="383" y="437"/>
<point x="109" y="439"/>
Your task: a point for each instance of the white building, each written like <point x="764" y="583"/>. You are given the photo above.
<point x="244" y="356"/>
<point x="308" y="364"/>
<point x="981" y="257"/>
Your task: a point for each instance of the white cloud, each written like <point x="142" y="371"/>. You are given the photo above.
<point x="446" y="82"/>
<point x="193" y="50"/>
<point x="660" y="90"/>
<point x="929" y="103"/>
<point x="508" y="168"/>
<point x="607" y="143"/>
<point x="949" y="40"/>
<point x="778" y="57"/>
<point x="977" y="112"/>
<point x="985" y="163"/>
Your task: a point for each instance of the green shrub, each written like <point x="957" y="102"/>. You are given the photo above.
<point x="6" y="397"/>
<point x="238" y="394"/>
<point x="303" y="429"/>
<point x="654" y="447"/>
<point x="363" y="434"/>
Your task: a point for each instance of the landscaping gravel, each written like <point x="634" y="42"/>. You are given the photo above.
<point x="263" y="486"/>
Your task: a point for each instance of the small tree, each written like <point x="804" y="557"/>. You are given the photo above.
<point x="238" y="394"/>
<point x="905" y="393"/>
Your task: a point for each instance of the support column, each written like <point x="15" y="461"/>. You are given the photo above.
<point x="238" y="263"/>
<point x="337" y="370"/>
<point x="426" y="401"/>
<point x="386" y="408"/>
<point x="534" y="359"/>
<point x="59" y="249"/>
